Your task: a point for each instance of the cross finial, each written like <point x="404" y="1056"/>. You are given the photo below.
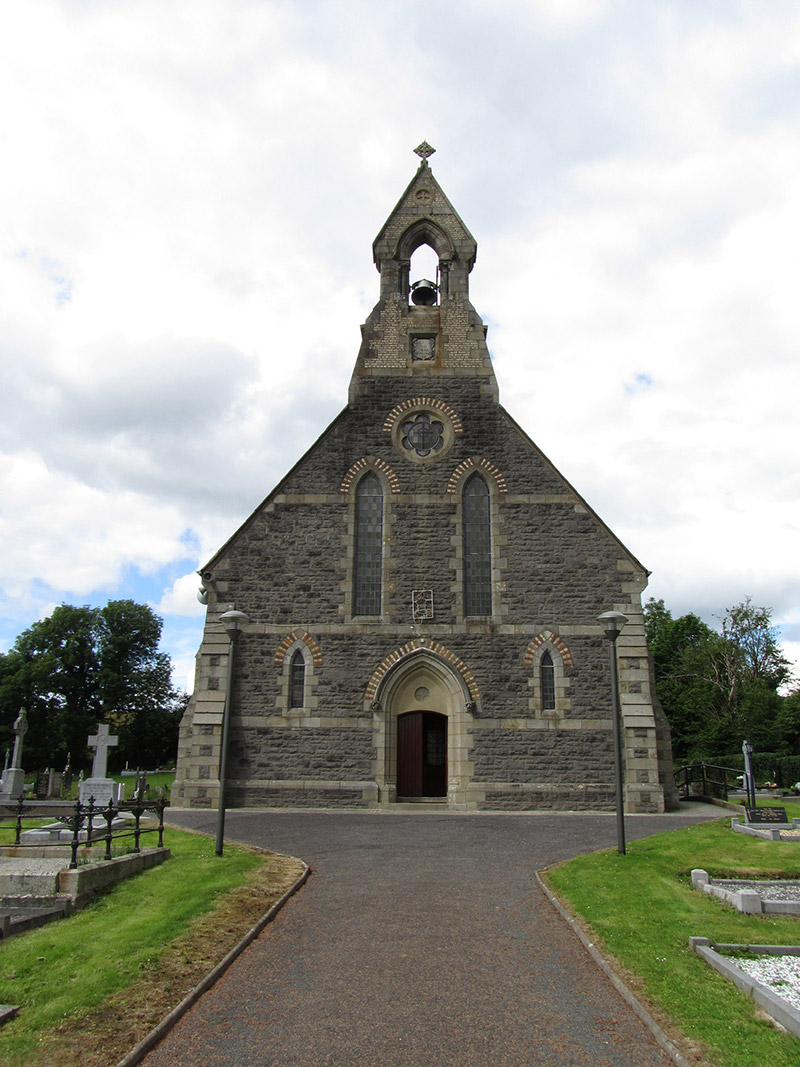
<point x="423" y="151"/>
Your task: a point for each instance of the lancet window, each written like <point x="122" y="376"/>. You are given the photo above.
<point x="476" y="519"/>
<point x="547" y="682"/>
<point x="297" y="680"/>
<point x="368" y="550"/>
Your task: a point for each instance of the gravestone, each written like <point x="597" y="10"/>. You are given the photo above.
<point x="100" y="789"/>
<point x="140" y="789"/>
<point x="13" y="782"/>
<point x="765" y="815"/>
<point x="99" y="786"/>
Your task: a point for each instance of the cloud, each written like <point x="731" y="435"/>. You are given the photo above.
<point x="193" y="190"/>
<point x="73" y="537"/>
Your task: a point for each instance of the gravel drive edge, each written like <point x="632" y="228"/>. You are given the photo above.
<point x="148" y="1043"/>
<point x="668" y="1046"/>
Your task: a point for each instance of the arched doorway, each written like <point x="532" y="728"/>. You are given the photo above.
<point x="422" y="711"/>
<point x="421" y="755"/>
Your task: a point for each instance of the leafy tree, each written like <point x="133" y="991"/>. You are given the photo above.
<point x="788" y="721"/>
<point x="719" y="688"/>
<point x="82" y="666"/>
<point x="679" y="650"/>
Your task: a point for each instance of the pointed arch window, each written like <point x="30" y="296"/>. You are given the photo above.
<point x="477" y="547"/>
<point x="368" y="550"/>
<point x="547" y="682"/>
<point x="297" y="680"/>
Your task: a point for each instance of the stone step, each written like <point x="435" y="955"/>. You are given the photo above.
<point x="16" y="920"/>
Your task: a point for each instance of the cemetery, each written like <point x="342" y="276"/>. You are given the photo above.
<point x="769" y="974"/>
<point x="72" y="851"/>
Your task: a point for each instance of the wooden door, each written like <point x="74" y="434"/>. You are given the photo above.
<point x="409" y="754"/>
<point x="422" y="754"/>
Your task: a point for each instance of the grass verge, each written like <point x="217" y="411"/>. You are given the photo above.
<point x="92" y="986"/>
<point x="641" y="910"/>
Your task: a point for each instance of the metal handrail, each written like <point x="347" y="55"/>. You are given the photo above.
<point x="704" y="774"/>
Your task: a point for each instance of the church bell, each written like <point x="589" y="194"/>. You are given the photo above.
<point x="423" y="293"/>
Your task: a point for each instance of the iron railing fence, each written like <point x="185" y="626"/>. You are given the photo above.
<point x="81" y="820"/>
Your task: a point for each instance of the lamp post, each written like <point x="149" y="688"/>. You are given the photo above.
<point x="613" y="622"/>
<point x="749" y="780"/>
<point x="232" y="621"/>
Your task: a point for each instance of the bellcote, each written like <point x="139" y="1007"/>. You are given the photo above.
<point x="428" y="327"/>
<point x="424" y="216"/>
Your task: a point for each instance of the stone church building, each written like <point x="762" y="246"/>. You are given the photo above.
<point x="422" y="591"/>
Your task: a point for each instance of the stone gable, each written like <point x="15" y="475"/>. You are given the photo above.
<point x="334" y="708"/>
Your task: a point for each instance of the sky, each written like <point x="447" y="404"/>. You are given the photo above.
<point x="190" y="190"/>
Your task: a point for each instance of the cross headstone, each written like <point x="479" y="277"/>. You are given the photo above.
<point x="20" y="729"/>
<point x="12" y="784"/>
<point x="101" y="742"/>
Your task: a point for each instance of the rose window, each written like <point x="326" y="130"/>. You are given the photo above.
<point x="422" y="435"/>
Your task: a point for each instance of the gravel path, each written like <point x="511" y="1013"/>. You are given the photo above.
<point x="418" y="941"/>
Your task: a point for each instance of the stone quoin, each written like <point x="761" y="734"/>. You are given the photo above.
<point x="422" y="590"/>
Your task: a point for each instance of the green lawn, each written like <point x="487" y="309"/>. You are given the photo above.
<point x="154" y="781"/>
<point x="642" y="910"/>
<point x="64" y="971"/>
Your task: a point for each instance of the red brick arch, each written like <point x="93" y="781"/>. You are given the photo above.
<point x="429" y="402"/>
<point x="408" y="649"/>
<point x="370" y="463"/>
<point x="292" y="639"/>
<point x="547" y="638"/>
<point x="479" y="464"/>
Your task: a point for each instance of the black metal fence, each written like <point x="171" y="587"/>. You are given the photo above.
<point x="705" y="780"/>
<point x="81" y="820"/>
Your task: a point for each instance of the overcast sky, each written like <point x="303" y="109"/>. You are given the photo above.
<point x="190" y="190"/>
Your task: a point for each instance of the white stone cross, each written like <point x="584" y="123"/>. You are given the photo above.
<point x="101" y="742"/>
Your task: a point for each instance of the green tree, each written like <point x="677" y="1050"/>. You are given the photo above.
<point x="679" y="650"/>
<point x="718" y="688"/>
<point x="82" y="666"/>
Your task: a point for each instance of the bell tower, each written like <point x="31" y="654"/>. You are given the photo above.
<point x="427" y="328"/>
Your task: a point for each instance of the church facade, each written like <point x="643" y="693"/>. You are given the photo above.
<point x="422" y="591"/>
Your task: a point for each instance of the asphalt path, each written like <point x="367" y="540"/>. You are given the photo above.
<point x="418" y="940"/>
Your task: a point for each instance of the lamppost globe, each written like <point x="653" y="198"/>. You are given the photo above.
<point x="233" y="620"/>
<point x="613" y="621"/>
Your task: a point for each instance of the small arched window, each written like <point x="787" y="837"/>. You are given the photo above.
<point x="547" y="679"/>
<point x="368" y="549"/>
<point x="477" y="547"/>
<point x="297" y="680"/>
